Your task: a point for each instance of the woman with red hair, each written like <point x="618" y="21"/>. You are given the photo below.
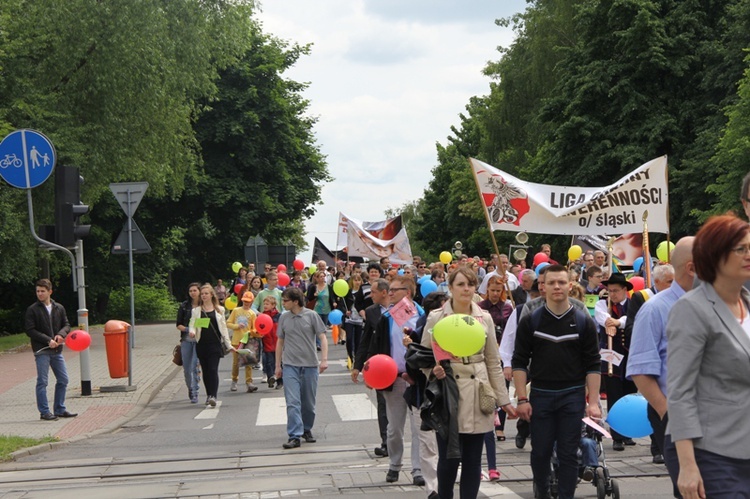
<point x="707" y="448"/>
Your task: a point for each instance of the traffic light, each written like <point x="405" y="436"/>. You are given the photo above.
<point x="68" y="207"/>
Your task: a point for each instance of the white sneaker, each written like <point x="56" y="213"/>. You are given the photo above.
<point x="234" y="386"/>
<point x="212" y="401"/>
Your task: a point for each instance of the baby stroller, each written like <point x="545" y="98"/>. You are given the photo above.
<point x="601" y="479"/>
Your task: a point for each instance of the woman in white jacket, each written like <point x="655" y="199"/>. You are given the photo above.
<point x="211" y="341"/>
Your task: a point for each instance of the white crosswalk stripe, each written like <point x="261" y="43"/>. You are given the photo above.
<point x="355" y="407"/>
<point x="271" y="411"/>
<point x="352" y="407"/>
<point x="209" y="412"/>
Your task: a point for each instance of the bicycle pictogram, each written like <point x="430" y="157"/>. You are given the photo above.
<point x="10" y="159"/>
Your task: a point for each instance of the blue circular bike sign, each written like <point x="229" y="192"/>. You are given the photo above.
<point x="27" y="159"/>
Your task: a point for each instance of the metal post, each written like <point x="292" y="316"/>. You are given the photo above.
<point x="132" y="289"/>
<point x="48" y="243"/>
<point x="83" y="319"/>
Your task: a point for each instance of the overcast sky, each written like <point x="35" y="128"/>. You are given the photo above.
<point x="388" y="78"/>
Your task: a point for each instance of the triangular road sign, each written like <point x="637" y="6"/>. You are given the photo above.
<point x="140" y="245"/>
<point x="136" y="189"/>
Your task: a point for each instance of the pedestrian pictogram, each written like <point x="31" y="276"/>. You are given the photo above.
<point x="27" y="159"/>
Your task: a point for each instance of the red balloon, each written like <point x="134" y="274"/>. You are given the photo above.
<point x="284" y="279"/>
<point x="638" y="283"/>
<point x="281" y="267"/>
<point x="237" y="288"/>
<point x="263" y="324"/>
<point x="380" y="371"/>
<point x="540" y="258"/>
<point x="298" y="264"/>
<point x="78" y="340"/>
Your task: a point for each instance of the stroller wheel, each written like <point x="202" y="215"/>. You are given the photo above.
<point x="615" y="489"/>
<point x="601" y="484"/>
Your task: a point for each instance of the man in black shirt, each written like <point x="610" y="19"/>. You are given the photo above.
<point x="562" y="346"/>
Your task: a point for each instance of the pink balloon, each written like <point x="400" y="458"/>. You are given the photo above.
<point x="78" y="340"/>
<point x="281" y="267"/>
<point x="284" y="279"/>
<point x="263" y="324"/>
<point x="638" y="283"/>
<point x="298" y="264"/>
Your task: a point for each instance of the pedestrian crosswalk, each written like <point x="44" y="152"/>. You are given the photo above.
<point x="350" y="407"/>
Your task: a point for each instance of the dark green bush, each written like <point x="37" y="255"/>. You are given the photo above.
<point x="152" y="303"/>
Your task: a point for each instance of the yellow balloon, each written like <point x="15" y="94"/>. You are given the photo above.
<point x="664" y="250"/>
<point x="460" y="335"/>
<point x="340" y="287"/>
<point x="446" y="257"/>
<point x="231" y="303"/>
<point x="575" y="252"/>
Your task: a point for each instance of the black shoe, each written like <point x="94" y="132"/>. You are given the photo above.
<point x="419" y="481"/>
<point x="433" y="495"/>
<point x="391" y="476"/>
<point x="618" y="445"/>
<point x="381" y="451"/>
<point x="271" y="382"/>
<point x="588" y="474"/>
<point x="293" y="443"/>
<point x="520" y="441"/>
<point x="48" y="417"/>
<point x="66" y="414"/>
<point x="308" y="436"/>
<point x="658" y="459"/>
<point x="629" y="441"/>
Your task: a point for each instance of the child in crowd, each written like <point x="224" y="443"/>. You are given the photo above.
<point x="242" y="323"/>
<point x="269" y="342"/>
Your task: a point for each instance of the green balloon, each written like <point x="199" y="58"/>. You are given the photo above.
<point x="340" y="287"/>
<point x="459" y="334"/>
<point x="236" y="266"/>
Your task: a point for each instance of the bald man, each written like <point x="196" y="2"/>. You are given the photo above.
<point x="647" y="362"/>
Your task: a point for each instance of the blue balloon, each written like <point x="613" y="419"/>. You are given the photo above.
<point x="629" y="416"/>
<point x="335" y="317"/>
<point x="540" y="267"/>
<point x="423" y="279"/>
<point x="400" y="272"/>
<point x="637" y="264"/>
<point x="428" y="287"/>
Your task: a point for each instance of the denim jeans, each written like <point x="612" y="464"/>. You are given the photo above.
<point x="589" y="452"/>
<point x="556" y="417"/>
<point x="269" y="363"/>
<point x="57" y="363"/>
<point x="190" y="366"/>
<point x="300" y="388"/>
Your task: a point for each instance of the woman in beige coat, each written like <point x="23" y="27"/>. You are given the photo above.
<point x="483" y="368"/>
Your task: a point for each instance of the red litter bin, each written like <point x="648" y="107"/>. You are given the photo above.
<point x="116" y="339"/>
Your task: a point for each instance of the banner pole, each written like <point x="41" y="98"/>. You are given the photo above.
<point x="492" y="234"/>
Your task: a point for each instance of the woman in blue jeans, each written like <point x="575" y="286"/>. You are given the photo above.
<point x="187" y="344"/>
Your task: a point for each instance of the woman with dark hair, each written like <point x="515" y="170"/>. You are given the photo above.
<point x="211" y="340"/>
<point x="255" y="285"/>
<point x="482" y="368"/>
<point x="353" y="321"/>
<point x="241" y="278"/>
<point x="323" y="295"/>
<point x="707" y="447"/>
<point x="188" y="344"/>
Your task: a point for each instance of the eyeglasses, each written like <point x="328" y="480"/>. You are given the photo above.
<point x="393" y="290"/>
<point x="422" y="266"/>
<point x="596" y="276"/>
<point x="741" y="250"/>
<point x="285" y="300"/>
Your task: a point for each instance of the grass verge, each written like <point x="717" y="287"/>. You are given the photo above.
<point x="13" y="341"/>
<point x="10" y="444"/>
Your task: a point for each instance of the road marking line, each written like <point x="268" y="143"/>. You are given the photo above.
<point x="209" y="427"/>
<point x="209" y="412"/>
<point x="355" y="407"/>
<point x="271" y="412"/>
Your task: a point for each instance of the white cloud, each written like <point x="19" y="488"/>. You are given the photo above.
<point x="388" y="78"/>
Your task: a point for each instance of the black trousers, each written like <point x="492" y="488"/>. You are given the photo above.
<point x="382" y="418"/>
<point x="659" y="426"/>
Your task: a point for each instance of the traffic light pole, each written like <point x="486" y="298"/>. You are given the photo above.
<point x="79" y="285"/>
<point x="83" y="319"/>
<point x="51" y="244"/>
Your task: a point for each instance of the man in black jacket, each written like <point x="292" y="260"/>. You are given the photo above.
<point x="47" y="326"/>
<point x="379" y="298"/>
